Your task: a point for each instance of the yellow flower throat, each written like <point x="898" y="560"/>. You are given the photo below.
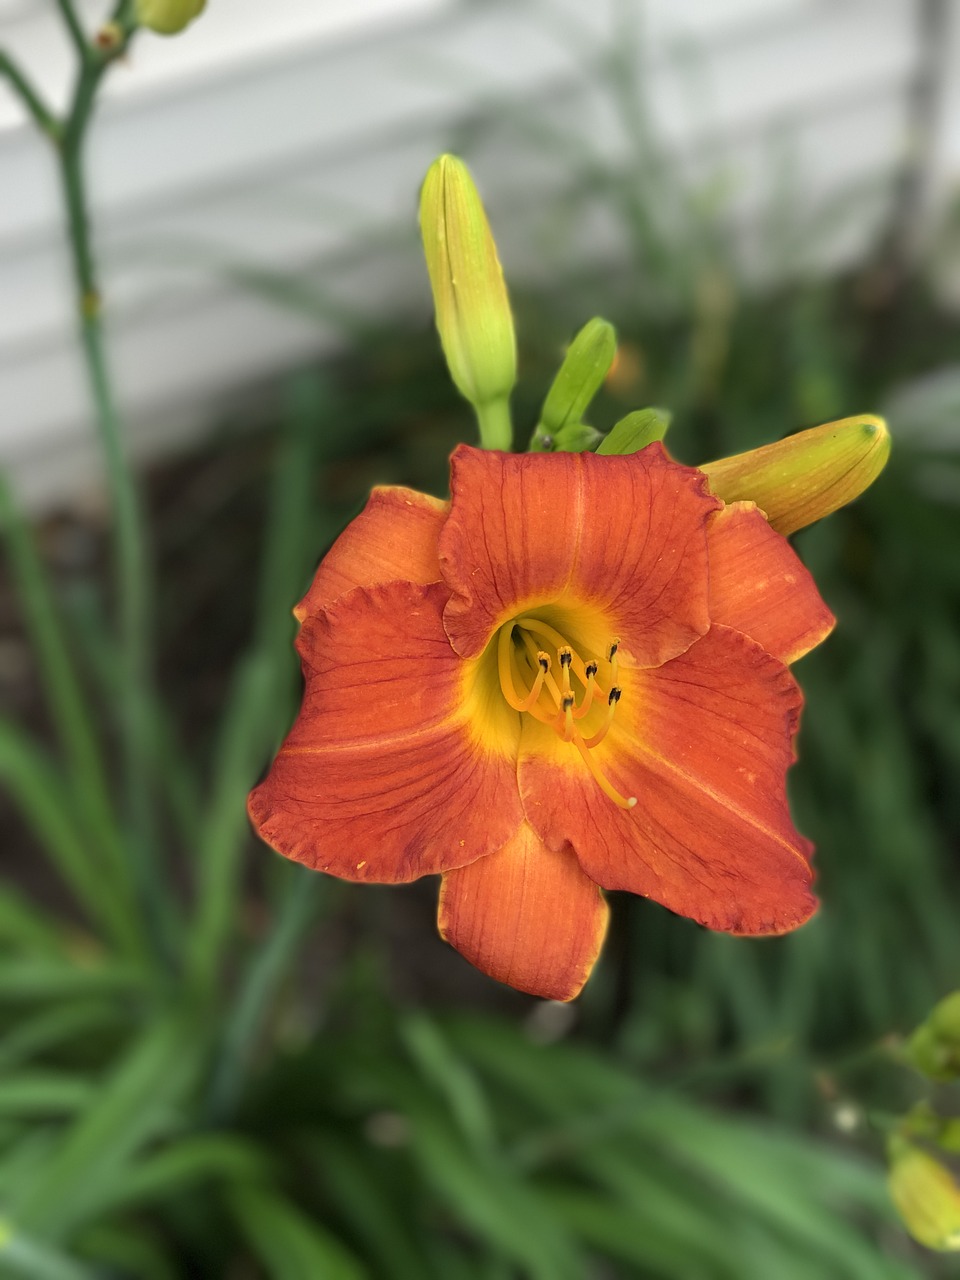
<point x="528" y="685"/>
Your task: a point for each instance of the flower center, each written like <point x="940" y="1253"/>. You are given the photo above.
<point x="528" y="682"/>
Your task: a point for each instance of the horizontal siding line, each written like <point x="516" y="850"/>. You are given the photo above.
<point x="140" y="314"/>
<point x="195" y="195"/>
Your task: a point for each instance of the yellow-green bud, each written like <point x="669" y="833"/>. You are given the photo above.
<point x="469" y="294"/>
<point x="808" y="475"/>
<point x="926" y="1195"/>
<point x="167" y="17"/>
<point x="934" y="1048"/>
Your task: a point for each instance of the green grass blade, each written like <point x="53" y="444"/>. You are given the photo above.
<point x="135" y="1104"/>
<point x="290" y="1245"/>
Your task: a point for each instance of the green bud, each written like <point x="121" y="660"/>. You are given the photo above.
<point x="580" y="377"/>
<point x="926" y="1195"/>
<point x="808" y="475"/>
<point x="934" y="1048"/>
<point x="636" y="431"/>
<point x="469" y="295"/>
<point x="576" y="437"/>
<point x="167" y="17"/>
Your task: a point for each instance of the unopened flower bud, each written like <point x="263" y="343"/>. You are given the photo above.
<point x="926" y="1195"/>
<point x="934" y="1048"/>
<point x="580" y="377"/>
<point x="808" y="475"/>
<point x="636" y="431"/>
<point x="469" y="294"/>
<point x="167" y="17"/>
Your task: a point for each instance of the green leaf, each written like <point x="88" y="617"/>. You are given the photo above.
<point x="43" y="797"/>
<point x="289" y="1244"/>
<point x="200" y="1158"/>
<point x="28" y="979"/>
<point x="636" y="431"/>
<point x="25" y="926"/>
<point x="49" y="1028"/>
<point x="135" y="1104"/>
<point x="44" y="1093"/>
<point x="24" y="1259"/>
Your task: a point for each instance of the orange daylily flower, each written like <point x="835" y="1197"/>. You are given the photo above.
<point x="571" y="677"/>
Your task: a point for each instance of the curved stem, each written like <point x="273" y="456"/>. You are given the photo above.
<point x="496" y="428"/>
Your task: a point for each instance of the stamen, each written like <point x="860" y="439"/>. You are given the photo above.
<point x="565" y="654"/>
<point x="548" y="680"/>
<point x="604" y="729"/>
<point x="555" y="638"/>
<point x="566" y="710"/>
<point x="590" y="671"/>
<point x="505" y="670"/>
<point x="612" y="659"/>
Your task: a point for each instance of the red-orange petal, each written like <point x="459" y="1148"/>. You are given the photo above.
<point x="624" y="534"/>
<point x="382" y="777"/>
<point x="526" y="916"/>
<point x="704" y="744"/>
<point x="393" y="539"/>
<point x="758" y="585"/>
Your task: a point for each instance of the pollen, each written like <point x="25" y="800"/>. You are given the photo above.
<point x="529" y="687"/>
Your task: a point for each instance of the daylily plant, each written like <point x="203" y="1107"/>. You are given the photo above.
<point x="571" y="677"/>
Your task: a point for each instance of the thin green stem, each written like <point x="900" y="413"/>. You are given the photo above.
<point x="496" y="428"/>
<point x="131" y="562"/>
<point x="29" y="96"/>
<point x="72" y="23"/>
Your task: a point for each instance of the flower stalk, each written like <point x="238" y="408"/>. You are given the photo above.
<point x="131" y="572"/>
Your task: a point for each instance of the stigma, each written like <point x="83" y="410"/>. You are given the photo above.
<point x="529" y="685"/>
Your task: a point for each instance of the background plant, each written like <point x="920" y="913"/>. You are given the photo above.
<point x="220" y="1065"/>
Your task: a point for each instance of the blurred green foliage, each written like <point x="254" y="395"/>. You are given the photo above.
<point x="262" y="1076"/>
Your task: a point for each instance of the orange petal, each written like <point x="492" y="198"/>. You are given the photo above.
<point x="393" y="539"/>
<point x="758" y="585"/>
<point x="624" y="534"/>
<point x="704" y="744"/>
<point x="382" y="777"/>
<point x="526" y="916"/>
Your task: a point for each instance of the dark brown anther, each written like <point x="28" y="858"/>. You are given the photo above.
<point x="590" y="669"/>
<point x="614" y="696"/>
<point x="566" y="657"/>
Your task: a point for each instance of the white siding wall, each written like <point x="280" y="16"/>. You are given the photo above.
<point x="281" y="138"/>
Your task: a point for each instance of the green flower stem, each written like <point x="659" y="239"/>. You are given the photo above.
<point x="131" y="563"/>
<point x="496" y="428"/>
<point x="28" y="95"/>
<point x="72" y="23"/>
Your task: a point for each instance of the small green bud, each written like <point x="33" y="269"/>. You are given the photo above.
<point x="636" y="431"/>
<point x="580" y="377"/>
<point x="926" y="1195"/>
<point x="576" y="437"/>
<point x="167" y="17"/>
<point x="808" y="475"/>
<point x="934" y="1048"/>
<point x="469" y="295"/>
